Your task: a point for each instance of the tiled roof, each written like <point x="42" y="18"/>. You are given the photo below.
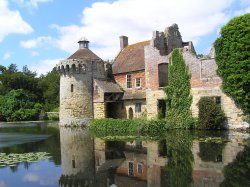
<point x="136" y="95"/>
<point x="84" y="54"/>
<point x="108" y="86"/>
<point x="131" y="58"/>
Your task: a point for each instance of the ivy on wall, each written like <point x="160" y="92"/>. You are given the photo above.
<point x="179" y="99"/>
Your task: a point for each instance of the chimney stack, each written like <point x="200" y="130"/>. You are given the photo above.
<point x="123" y="42"/>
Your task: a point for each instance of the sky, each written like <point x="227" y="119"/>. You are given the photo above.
<point x="40" y="33"/>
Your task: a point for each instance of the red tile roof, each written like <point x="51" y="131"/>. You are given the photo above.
<point x="131" y="58"/>
<point x="84" y="54"/>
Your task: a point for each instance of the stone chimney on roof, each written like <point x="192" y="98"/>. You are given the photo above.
<point x="123" y="42"/>
<point x="83" y="43"/>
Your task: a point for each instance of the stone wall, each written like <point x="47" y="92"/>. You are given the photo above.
<point x="152" y="59"/>
<point x="131" y="104"/>
<point x="206" y="83"/>
<point x="99" y="110"/>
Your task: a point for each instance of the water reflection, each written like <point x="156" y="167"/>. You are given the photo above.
<point x="178" y="159"/>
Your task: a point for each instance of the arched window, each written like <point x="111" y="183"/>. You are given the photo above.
<point x="72" y="88"/>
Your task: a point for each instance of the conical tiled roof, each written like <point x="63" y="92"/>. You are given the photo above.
<point x="85" y="54"/>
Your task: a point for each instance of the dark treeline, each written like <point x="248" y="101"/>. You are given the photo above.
<point x="23" y="95"/>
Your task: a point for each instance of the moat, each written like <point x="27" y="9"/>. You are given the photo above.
<point x="77" y="158"/>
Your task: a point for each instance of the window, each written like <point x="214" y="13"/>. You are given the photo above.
<point x="138" y="82"/>
<point x="130" y="168"/>
<point x="73" y="164"/>
<point x="129" y="82"/>
<point x="218" y="100"/>
<point x="72" y="88"/>
<point x="137" y="107"/>
<point x="139" y="168"/>
<point x="163" y="74"/>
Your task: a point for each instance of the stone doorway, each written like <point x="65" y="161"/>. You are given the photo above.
<point x="130" y="113"/>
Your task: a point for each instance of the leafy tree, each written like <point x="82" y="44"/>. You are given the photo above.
<point x="18" y="105"/>
<point x="179" y="100"/>
<point x="49" y="85"/>
<point x="210" y="115"/>
<point x="232" y="53"/>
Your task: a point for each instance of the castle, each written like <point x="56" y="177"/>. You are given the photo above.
<point x="132" y="86"/>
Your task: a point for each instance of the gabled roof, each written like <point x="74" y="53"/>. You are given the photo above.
<point x="131" y="58"/>
<point x="84" y="54"/>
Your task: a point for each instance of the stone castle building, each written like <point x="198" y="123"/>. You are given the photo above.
<point x="133" y="86"/>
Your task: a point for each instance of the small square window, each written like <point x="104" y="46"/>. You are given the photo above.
<point x="138" y="82"/>
<point x="137" y="107"/>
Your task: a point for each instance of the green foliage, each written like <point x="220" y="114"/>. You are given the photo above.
<point x="49" y="85"/>
<point x="179" y="99"/>
<point x="180" y="158"/>
<point x="18" y="105"/>
<point x="232" y="50"/>
<point x="211" y="115"/>
<point x="237" y="173"/>
<point x="120" y="127"/>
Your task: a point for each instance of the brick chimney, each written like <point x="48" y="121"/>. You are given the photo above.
<point x="123" y="42"/>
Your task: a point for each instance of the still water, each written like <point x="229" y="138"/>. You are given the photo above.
<point x="76" y="158"/>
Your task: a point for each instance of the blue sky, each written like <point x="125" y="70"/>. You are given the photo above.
<point x="39" y="33"/>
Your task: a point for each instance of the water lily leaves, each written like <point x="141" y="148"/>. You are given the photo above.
<point x="13" y="159"/>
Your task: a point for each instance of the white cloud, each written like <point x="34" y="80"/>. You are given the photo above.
<point x="34" y="53"/>
<point x="11" y="22"/>
<point x="32" y="3"/>
<point x="104" y="22"/>
<point x="2" y="184"/>
<point x="7" y="55"/>
<point x="47" y="180"/>
<point x="44" y="66"/>
<point x="37" y="42"/>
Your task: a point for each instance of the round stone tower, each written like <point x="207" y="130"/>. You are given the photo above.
<point x="76" y="85"/>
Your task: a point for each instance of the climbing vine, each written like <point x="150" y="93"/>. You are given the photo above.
<point x="179" y="100"/>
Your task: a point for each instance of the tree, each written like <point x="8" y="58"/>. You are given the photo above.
<point x="18" y="105"/>
<point x="232" y="53"/>
<point x="49" y="85"/>
<point x="179" y="99"/>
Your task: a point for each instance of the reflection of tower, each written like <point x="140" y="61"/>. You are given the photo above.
<point x="77" y="153"/>
<point x="76" y="84"/>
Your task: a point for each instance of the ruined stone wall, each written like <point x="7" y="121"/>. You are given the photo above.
<point x="173" y="38"/>
<point x="206" y="83"/>
<point x="152" y="59"/>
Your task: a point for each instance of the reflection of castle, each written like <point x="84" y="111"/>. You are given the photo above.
<point x="209" y="171"/>
<point x="88" y="162"/>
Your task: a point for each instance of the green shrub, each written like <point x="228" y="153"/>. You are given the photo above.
<point x="211" y="115"/>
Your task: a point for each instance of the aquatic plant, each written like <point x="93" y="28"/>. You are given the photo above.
<point x="13" y="159"/>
